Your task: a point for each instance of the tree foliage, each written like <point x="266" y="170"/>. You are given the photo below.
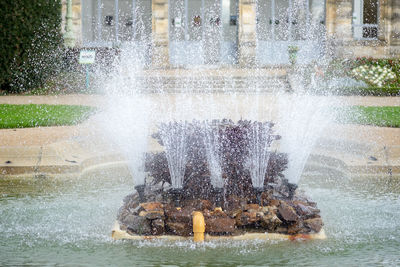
<point x="30" y="33"/>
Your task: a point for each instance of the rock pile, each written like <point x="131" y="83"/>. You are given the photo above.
<point x="296" y="216"/>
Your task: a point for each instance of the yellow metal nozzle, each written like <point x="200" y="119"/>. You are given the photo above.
<point x="199" y="226"/>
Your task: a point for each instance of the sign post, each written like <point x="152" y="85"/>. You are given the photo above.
<point x="87" y="57"/>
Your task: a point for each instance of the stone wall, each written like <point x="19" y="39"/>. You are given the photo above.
<point x="340" y="32"/>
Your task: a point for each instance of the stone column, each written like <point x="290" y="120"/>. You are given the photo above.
<point x="69" y="40"/>
<point x="160" y="56"/>
<point x="331" y="15"/>
<point x="344" y="14"/>
<point x="339" y="15"/>
<point x="384" y="20"/>
<point x="247" y="32"/>
<point x="74" y="21"/>
<point x="395" y="23"/>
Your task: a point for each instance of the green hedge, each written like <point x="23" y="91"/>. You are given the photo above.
<point x="373" y="91"/>
<point x="30" y="42"/>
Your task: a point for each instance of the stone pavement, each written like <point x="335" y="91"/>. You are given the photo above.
<point x="83" y="150"/>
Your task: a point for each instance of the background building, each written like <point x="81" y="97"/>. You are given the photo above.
<point x="244" y="32"/>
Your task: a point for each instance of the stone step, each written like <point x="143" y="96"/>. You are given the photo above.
<point x="211" y="84"/>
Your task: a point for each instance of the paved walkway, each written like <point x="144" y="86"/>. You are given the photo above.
<point x="49" y="151"/>
<point x="99" y="100"/>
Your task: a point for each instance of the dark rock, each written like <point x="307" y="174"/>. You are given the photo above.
<point x="315" y="224"/>
<point x="157" y="227"/>
<point x="252" y="207"/>
<point x="132" y="198"/>
<point x="265" y="198"/>
<point x="303" y="198"/>
<point x="199" y="204"/>
<point x="179" y="215"/>
<point x="218" y="213"/>
<point x="274" y="202"/>
<point x="152" y="215"/>
<point x="297" y="228"/>
<point x="220" y="225"/>
<point x="235" y="203"/>
<point x="270" y="221"/>
<point x="282" y="229"/>
<point x="287" y="212"/>
<point x="305" y="211"/>
<point x="137" y="224"/>
<point x="153" y="193"/>
<point x="179" y="228"/>
<point x="152" y="206"/>
<point x="246" y="218"/>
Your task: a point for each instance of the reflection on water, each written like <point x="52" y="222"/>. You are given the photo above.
<point x="68" y="223"/>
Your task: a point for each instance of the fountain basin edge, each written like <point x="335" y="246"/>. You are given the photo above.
<point x="118" y="234"/>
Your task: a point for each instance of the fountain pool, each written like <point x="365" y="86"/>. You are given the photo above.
<point x="68" y="224"/>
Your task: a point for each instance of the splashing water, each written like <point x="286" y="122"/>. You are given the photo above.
<point x="211" y="142"/>
<point x="174" y="136"/>
<point x="126" y="117"/>
<point x="259" y="143"/>
<point x="302" y="120"/>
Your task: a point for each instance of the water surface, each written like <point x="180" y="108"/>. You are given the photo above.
<point x="68" y="223"/>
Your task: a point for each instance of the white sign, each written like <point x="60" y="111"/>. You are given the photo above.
<point x="178" y="22"/>
<point x="87" y="57"/>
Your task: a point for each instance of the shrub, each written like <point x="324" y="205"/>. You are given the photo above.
<point x="31" y="42"/>
<point x="378" y="72"/>
<point x="375" y="75"/>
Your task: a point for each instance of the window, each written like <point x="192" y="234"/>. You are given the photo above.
<point x="365" y="19"/>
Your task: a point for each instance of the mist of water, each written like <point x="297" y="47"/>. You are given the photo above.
<point x="174" y="137"/>
<point x="260" y="141"/>
<point x="302" y="118"/>
<point x="127" y="114"/>
<point x="141" y="99"/>
<point x="211" y="142"/>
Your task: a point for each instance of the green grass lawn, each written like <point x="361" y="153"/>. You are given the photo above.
<point x="24" y="116"/>
<point x="379" y="116"/>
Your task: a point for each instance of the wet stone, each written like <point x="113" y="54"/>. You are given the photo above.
<point x="157" y="227"/>
<point x="252" y="207"/>
<point x="220" y="225"/>
<point x="179" y="228"/>
<point x="315" y="224"/>
<point x="199" y="204"/>
<point x="152" y="215"/>
<point x="306" y="211"/>
<point x="152" y="206"/>
<point x="137" y="224"/>
<point x="274" y="202"/>
<point x="179" y="215"/>
<point x="235" y="203"/>
<point x="270" y="221"/>
<point x="282" y="229"/>
<point x="287" y="212"/>
<point x="296" y="228"/>
<point x="247" y="218"/>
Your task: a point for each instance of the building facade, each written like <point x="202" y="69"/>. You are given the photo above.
<point x="239" y="32"/>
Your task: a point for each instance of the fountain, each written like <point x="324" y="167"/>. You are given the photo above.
<point x="224" y="161"/>
<point x="224" y="171"/>
<point x="213" y="151"/>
